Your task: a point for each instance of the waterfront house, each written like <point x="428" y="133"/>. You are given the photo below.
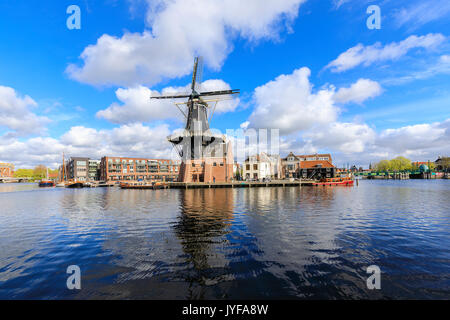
<point x="262" y="166"/>
<point x="442" y="163"/>
<point x="134" y="169"/>
<point x="77" y="169"/>
<point x="308" y="166"/>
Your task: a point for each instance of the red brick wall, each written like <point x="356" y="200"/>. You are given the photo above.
<point x="6" y="171"/>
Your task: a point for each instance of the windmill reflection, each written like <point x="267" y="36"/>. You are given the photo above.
<point x="204" y="219"/>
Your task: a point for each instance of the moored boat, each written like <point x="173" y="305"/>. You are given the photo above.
<point x="343" y="181"/>
<point x="46" y="184"/>
<point x="74" y="184"/>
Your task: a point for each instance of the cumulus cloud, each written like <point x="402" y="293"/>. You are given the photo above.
<point x="345" y="137"/>
<point x="16" y="114"/>
<point x="136" y="105"/>
<point x="359" y="144"/>
<point x="358" y="92"/>
<point x="308" y="122"/>
<point x="417" y="139"/>
<point x="288" y="103"/>
<point x="367" y="55"/>
<point x="134" y="140"/>
<point x="177" y="31"/>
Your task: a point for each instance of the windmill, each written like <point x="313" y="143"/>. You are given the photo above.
<point x="197" y="141"/>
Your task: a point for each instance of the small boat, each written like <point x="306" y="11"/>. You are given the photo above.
<point x="46" y="183"/>
<point x="159" y="185"/>
<point x="74" y="184"/>
<point x="339" y="181"/>
<point x="143" y="185"/>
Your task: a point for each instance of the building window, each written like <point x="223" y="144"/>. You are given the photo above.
<point x="255" y="167"/>
<point x="247" y="167"/>
<point x="214" y="164"/>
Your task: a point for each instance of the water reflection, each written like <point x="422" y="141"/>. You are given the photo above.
<point x="227" y="243"/>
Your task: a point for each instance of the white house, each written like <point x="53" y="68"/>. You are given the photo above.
<point x="262" y="166"/>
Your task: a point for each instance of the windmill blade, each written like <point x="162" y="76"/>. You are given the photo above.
<point x="203" y="102"/>
<point x="199" y="75"/>
<point x="194" y="73"/>
<point x="171" y="97"/>
<point x="219" y="93"/>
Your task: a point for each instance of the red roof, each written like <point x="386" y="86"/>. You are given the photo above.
<point x="315" y="163"/>
<point x="418" y="163"/>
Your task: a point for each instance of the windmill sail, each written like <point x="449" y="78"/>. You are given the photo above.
<point x="193" y="143"/>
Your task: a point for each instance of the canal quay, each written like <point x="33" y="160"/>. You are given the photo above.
<point x="237" y="184"/>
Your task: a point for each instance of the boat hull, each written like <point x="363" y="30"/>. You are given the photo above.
<point x="46" y="184"/>
<point x="75" y="185"/>
<point x="339" y="183"/>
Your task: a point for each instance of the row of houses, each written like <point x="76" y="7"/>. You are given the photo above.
<point x="121" y="169"/>
<point x="258" y="167"/>
<point x="264" y="166"/>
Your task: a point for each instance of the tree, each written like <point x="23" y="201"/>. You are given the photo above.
<point x="383" y="165"/>
<point x="40" y="172"/>
<point x="445" y="163"/>
<point x="397" y="164"/>
<point x="400" y="164"/>
<point x="23" y="173"/>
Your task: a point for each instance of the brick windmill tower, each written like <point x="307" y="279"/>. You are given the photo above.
<point x="206" y="156"/>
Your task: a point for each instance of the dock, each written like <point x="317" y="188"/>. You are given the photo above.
<point x="234" y="184"/>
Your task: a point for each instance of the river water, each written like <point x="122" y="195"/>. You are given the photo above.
<point x="274" y="243"/>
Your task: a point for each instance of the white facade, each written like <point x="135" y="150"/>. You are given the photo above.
<point x="262" y="166"/>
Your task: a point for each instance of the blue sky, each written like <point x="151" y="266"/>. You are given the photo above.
<point x="311" y="69"/>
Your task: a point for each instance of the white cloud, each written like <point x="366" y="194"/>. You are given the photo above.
<point x="367" y="55"/>
<point x="16" y="114"/>
<point x="422" y="12"/>
<point x="138" y="107"/>
<point x="135" y="140"/>
<point x="180" y="29"/>
<point x="357" y="143"/>
<point x="441" y="66"/>
<point x="417" y="139"/>
<point x="345" y="137"/>
<point x="358" y="92"/>
<point x="288" y="103"/>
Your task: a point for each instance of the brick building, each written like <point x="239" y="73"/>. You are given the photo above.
<point x="216" y="165"/>
<point x="6" y="170"/>
<point x="133" y="169"/>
